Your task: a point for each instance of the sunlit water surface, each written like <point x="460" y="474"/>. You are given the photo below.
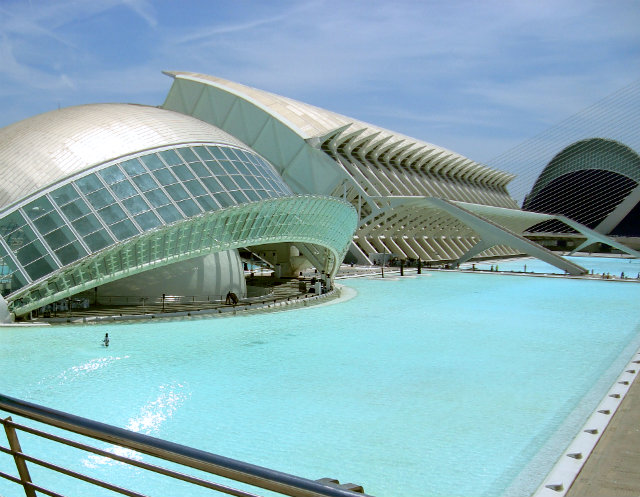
<point x="443" y="384"/>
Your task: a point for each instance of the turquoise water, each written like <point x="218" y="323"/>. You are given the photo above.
<point x="444" y="384"/>
<point x="598" y="265"/>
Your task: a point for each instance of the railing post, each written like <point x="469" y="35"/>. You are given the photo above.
<point x="23" y="471"/>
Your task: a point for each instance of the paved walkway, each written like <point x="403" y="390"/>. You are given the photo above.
<point x="613" y="469"/>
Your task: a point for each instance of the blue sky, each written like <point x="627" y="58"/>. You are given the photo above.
<point x="477" y="77"/>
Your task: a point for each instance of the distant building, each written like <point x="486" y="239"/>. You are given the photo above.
<point x="595" y="182"/>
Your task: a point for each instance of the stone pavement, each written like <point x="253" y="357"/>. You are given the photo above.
<point x="613" y="468"/>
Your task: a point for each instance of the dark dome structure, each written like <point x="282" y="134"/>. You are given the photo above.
<point x="593" y="181"/>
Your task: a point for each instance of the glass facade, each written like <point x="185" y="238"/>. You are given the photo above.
<point x="113" y="203"/>
<point x="324" y="225"/>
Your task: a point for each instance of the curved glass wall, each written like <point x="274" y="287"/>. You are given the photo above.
<point x="112" y="203"/>
<point x="320" y="226"/>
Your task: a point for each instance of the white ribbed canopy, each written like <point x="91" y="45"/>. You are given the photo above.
<point x="45" y="149"/>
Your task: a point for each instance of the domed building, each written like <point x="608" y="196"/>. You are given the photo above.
<point x="122" y="199"/>
<point x="595" y="182"/>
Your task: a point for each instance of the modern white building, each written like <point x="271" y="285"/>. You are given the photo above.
<point x="595" y="181"/>
<point x="137" y="200"/>
<point x="414" y="199"/>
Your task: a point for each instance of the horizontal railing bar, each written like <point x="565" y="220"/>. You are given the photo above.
<point x="132" y="462"/>
<point x="32" y="485"/>
<point x="251" y="474"/>
<point x="71" y="473"/>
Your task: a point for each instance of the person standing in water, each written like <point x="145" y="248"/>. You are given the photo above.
<point x="106" y="340"/>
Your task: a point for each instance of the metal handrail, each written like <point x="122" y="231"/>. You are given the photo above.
<point x="240" y="471"/>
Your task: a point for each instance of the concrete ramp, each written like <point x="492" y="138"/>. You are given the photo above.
<point x="492" y="234"/>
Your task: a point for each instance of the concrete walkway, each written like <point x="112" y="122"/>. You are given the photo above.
<point x="613" y="468"/>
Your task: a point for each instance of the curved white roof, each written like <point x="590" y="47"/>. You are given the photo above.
<point x="318" y="125"/>
<point x="44" y="149"/>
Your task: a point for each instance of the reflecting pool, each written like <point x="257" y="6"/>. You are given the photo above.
<point x="448" y="383"/>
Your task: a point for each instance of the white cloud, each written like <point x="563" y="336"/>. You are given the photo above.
<point x="424" y="66"/>
<point x="144" y="9"/>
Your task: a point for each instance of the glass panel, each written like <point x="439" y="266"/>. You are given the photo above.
<point x="124" y="190"/>
<point x="212" y="185"/>
<point x="87" y="224"/>
<point x="75" y="209"/>
<point x="152" y="161"/>
<point x="207" y="203"/>
<point x="145" y="182"/>
<point x="169" y="213"/>
<point x="189" y="207"/>
<point x="226" y="168"/>
<point x="17" y="281"/>
<point x="202" y="152"/>
<point x="135" y="205"/>
<point x="217" y="153"/>
<point x="37" y="208"/>
<point x="112" y="214"/>
<point x="64" y="194"/>
<point x="112" y="175"/>
<point x="239" y="197"/>
<point x="182" y="172"/>
<point x="216" y="168"/>
<point x="124" y="229"/>
<point x="11" y="223"/>
<point x="233" y="154"/>
<point x="177" y="192"/>
<point x="263" y="193"/>
<point x="148" y="220"/>
<point x="200" y="170"/>
<point x="264" y="184"/>
<point x="157" y="198"/>
<point x="195" y="188"/>
<point x="241" y="154"/>
<point x="8" y="266"/>
<point x="98" y="240"/>
<point x="20" y="237"/>
<point x="170" y="157"/>
<point x="224" y="199"/>
<point x="30" y="252"/>
<point x="100" y="199"/>
<point x="269" y="184"/>
<point x="188" y="155"/>
<point x="253" y="181"/>
<point x="243" y="168"/>
<point x="60" y="237"/>
<point x="253" y="196"/>
<point x="89" y="184"/>
<point x="164" y="177"/>
<point x="41" y="267"/>
<point x="133" y="167"/>
<point x="48" y="223"/>
<point x="227" y="182"/>
<point x="253" y="169"/>
<point x="242" y="183"/>
<point x="70" y="253"/>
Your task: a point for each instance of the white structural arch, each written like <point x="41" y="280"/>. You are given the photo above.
<point x="408" y="193"/>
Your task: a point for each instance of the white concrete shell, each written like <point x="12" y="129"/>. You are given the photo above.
<point x="47" y="148"/>
<point x="98" y="193"/>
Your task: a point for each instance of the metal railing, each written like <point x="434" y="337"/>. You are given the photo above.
<point x="188" y="457"/>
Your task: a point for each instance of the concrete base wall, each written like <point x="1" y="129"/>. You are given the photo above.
<point x="213" y="274"/>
